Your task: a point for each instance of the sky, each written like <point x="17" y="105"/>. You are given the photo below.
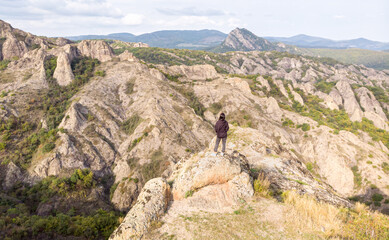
<point x="334" y="19"/>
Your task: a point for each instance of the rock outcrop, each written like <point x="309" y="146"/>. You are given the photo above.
<point x="127" y="192"/>
<point x="196" y="72"/>
<point x="241" y="39"/>
<point x="96" y="49"/>
<point x="350" y="103"/>
<point x="201" y="171"/>
<point x="63" y="72"/>
<point x="150" y="206"/>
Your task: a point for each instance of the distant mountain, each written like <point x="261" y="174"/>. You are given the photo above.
<point x="125" y="37"/>
<point x="369" y="58"/>
<point x="241" y="39"/>
<point x="188" y="39"/>
<point x="306" y="41"/>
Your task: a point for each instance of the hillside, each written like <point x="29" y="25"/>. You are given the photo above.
<point x="374" y="59"/>
<point x="188" y="39"/>
<point x="244" y="40"/>
<point x="99" y="138"/>
<point x="306" y="41"/>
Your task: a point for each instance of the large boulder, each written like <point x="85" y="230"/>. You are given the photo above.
<point x="205" y="170"/>
<point x="150" y="206"/>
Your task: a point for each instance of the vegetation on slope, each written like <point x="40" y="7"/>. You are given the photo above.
<point x="374" y="59"/>
<point x="171" y="57"/>
<point x="19" y="218"/>
<point x="20" y="138"/>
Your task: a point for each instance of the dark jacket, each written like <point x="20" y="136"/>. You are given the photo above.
<point x="221" y="128"/>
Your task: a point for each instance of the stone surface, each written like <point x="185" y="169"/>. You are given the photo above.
<point x="201" y="171"/>
<point x="96" y="49"/>
<point x="63" y="72"/>
<point x="126" y="193"/>
<point x="150" y="206"/>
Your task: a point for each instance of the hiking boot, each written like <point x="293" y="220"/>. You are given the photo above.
<point x="213" y="154"/>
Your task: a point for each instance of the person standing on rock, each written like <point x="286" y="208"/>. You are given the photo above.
<point x="221" y="129"/>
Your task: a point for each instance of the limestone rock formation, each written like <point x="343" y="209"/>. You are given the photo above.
<point x="151" y="204"/>
<point x="350" y="103"/>
<point x="96" y="49"/>
<point x="196" y="72"/>
<point x="63" y="72"/>
<point x="127" y="192"/>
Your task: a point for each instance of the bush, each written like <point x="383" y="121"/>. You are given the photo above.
<point x="50" y="65"/>
<point x="4" y="64"/>
<point x="324" y="86"/>
<point x="309" y="166"/>
<point x="100" y="73"/>
<point x="131" y="124"/>
<point x="48" y="147"/>
<point x="377" y="197"/>
<point x="261" y="186"/>
<point x="305" y="127"/>
<point x="288" y="123"/>
<point x="194" y="102"/>
<point x="215" y="108"/>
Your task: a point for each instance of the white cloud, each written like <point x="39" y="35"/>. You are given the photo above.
<point x="339" y="16"/>
<point x="186" y="21"/>
<point x="234" y="22"/>
<point x="132" y="19"/>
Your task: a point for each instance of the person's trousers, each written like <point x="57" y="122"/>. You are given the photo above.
<point x="224" y="140"/>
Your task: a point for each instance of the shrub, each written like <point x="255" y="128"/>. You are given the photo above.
<point x="288" y="123"/>
<point x="194" y="102"/>
<point x="189" y="193"/>
<point x="215" y="108"/>
<point x="261" y="186"/>
<point x="131" y="124"/>
<point x="305" y="127"/>
<point x="385" y="167"/>
<point x="129" y="88"/>
<point x="50" y="65"/>
<point x="48" y="147"/>
<point x="4" y="64"/>
<point x="309" y="166"/>
<point x="357" y="176"/>
<point x="324" y="86"/>
<point x="100" y="73"/>
<point x="377" y="197"/>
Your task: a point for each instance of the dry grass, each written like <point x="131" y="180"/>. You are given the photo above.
<point x="309" y="215"/>
<point x="261" y="186"/>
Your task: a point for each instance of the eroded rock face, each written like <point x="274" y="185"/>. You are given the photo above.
<point x="13" y="175"/>
<point x="63" y="72"/>
<point x="126" y="193"/>
<point x="151" y="204"/>
<point x="351" y="105"/>
<point x="372" y="108"/>
<point x="96" y="49"/>
<point x="12" y="47"/>
<point x="201" y="171"/>
<point x="196" y="72"/>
